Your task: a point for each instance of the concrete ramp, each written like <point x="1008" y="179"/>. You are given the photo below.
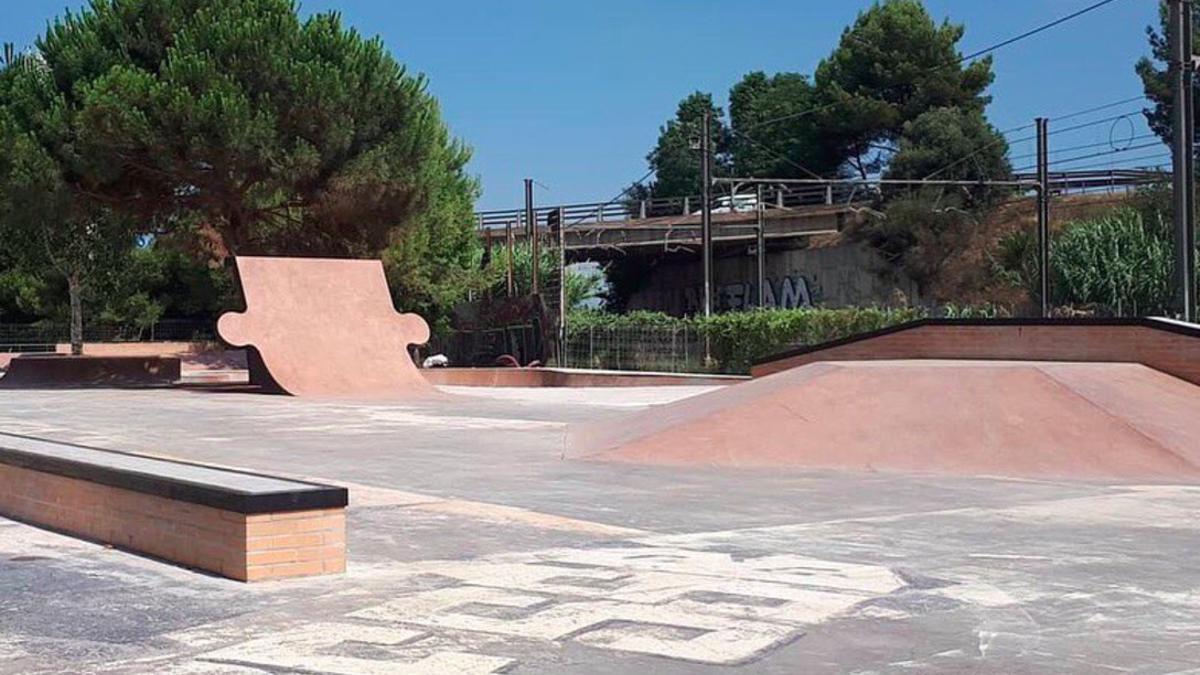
<point x="321" y="327"/>
<point x="1005" y="418"/>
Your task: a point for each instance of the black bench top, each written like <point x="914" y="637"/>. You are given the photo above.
<point x="226" y="489"/>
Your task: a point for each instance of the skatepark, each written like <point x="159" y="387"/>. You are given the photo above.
<point x="942" y="497"/>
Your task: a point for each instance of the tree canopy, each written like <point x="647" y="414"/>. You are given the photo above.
<point x="1156" y="81"/>
<point x="892" y="65"/>
<point x="675" y="158"/>
<point x="788" y="148"/>
<point x="286" y="135"/>
<point x="953" y="144"/>
<point x="238" y="127"/>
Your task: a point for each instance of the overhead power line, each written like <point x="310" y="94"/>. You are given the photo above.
<point x="1098" y="108"/>
<point x="993" y="143"/>
<point x="957" y="62"/>
<point x="1128" y="160"/>
<point x="1039" y="29"/>
<point x="775" y="154"/>
<point x="618" y="196"/>
<point x="1101" y="144"/>
<point x="1094" y="155"/>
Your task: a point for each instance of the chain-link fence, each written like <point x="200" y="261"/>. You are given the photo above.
<point x="485" y="347"/>
<point x="42" y="337"/>
<point x="664" y="349"/>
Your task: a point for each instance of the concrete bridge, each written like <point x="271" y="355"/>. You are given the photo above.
<point x="789" y="213"/>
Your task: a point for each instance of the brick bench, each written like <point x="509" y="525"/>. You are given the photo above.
<point x="240" y="525"/>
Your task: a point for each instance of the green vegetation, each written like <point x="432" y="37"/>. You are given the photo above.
<point x="581" y="287"/>
<point x="1119" y="263"/>
<point x="894" y="98"/>
<point x="1155" y="77"/>
<point x="1116" y="264"/>
<point x="891" y="67"/>
<point x="656" y="341"/>
<point x="674" y="160"/>
<point x="893" y="90"/>
<point x="936" y="143"/>
<point x="221" y="127"/>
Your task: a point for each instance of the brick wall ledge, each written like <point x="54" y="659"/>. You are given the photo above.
<point x="237" y="524"/>
<point x="1172" y="347"/>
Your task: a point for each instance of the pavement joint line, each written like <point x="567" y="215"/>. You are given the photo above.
<point x="885" y="518"/>
<point x="480" y="510"/>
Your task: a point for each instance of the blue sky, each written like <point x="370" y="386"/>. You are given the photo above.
<point x="572" y="93"/>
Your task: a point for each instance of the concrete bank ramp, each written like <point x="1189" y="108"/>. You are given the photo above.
<point x="1004" y="418"/>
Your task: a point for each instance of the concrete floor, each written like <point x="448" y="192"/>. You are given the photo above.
<point x="476" y="548"/>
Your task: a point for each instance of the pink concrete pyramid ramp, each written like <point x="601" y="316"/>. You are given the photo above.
<point x="326" y="328"/>
<point x="1053" y="420"/>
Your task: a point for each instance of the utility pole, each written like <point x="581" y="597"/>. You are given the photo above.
<point x="1182" y="70"/>
<point x="1043" y="211"/>
<point x="706" y="234"/>
<point x="531" y="230"/>
<point x="511" y="246"/>
<point x="760" y="244"/>
<point x="560" y="219"/>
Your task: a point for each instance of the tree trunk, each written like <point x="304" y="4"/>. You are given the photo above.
<point x="75" y="290"/>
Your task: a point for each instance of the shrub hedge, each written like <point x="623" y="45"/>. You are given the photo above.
<point x="734" y="340"/>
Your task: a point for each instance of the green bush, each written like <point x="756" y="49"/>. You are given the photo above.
<point x="733" y="340"/>
<point x="1118" y="262"/>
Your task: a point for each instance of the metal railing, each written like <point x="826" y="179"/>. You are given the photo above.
<point x="783" y="197"/>
<point x="641" y="209"/>
<point x="43" y="337"/>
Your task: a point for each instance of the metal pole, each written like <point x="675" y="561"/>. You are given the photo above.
<point x="531" y="230"/>
<point x="1043" y="212"/>
<point x="1189" y="117"/>
<point x="1183" y="157"/>
<point x="508" y="238"/>
<point x="706" y="235"/>
<point x="562" y="287"/>
<point x="761" y="246"/>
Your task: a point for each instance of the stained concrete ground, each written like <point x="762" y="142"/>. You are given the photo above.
<point x="475" y="547"/>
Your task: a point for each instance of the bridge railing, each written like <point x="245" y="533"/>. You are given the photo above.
<point x="782" y="197"/>
<point x="663" y="207"/>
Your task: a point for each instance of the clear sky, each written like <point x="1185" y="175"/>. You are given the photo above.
<point x="572" y="92"/>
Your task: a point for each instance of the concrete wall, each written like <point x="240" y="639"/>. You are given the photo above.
<point x="831" y="276"/>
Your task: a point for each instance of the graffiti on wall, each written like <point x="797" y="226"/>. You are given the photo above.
<point x="789" y="292"/>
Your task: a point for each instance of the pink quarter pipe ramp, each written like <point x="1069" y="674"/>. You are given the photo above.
<point x="1052" y="420"/>
<point x="321" y="327"/>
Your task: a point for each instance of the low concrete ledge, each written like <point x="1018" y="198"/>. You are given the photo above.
<point x="61" y="370"/>
<point x="240" y="525"/>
